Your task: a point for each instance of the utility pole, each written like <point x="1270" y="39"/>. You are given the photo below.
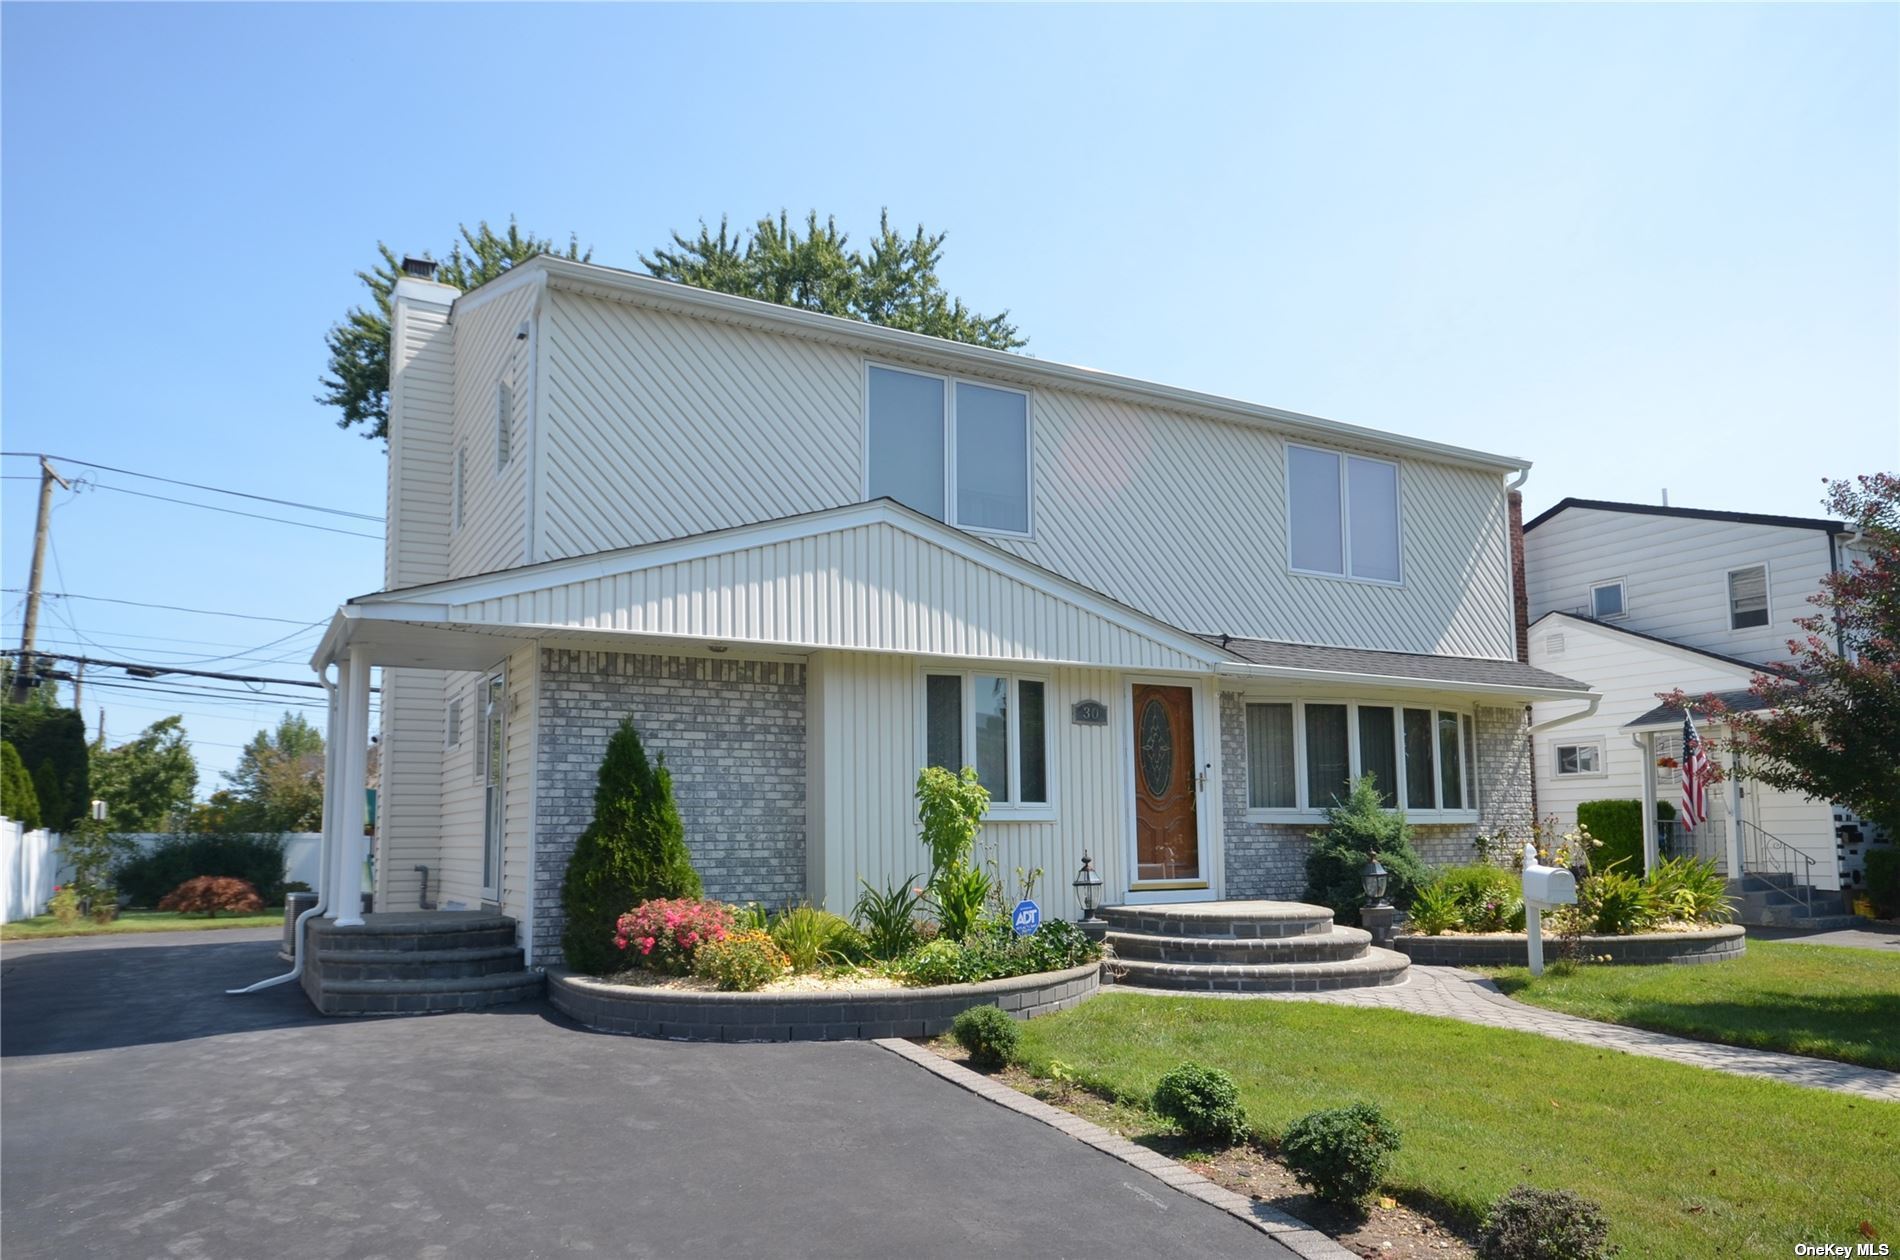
<point x="31" y="630"/>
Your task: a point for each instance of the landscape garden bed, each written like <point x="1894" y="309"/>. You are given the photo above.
<point x="799" y="1014"/>
<point x="1508" y="949"/>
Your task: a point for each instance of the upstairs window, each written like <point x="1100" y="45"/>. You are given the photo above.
<point x="459" y="490"/>
<point x="1342" y="515"/>
<point x="1606" y="600"/>
<point x="953" y="450"/>
<point x="1748" y="597"/>
<point x="504" y="424"/>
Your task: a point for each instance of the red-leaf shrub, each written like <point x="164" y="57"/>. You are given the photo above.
<point x="663" y="934"/>
<point x="209" y="894"/>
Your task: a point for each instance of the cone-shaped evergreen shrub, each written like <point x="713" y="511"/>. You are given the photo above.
<point x="18" y="799"/>
<point x="634" y="850"/>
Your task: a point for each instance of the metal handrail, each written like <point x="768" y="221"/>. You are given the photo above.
<point x="1782" y="855"/>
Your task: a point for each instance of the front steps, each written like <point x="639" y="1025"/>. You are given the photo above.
<point x="414" y="963"/>
<point x="1245" y="947"/>
<point x="1776" y="901"/>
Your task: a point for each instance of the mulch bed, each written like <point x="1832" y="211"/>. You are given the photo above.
<point x="1387" y="1228"/>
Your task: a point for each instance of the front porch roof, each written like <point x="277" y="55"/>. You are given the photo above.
<point x="1668" y="717"/>
<point x="874" y="577"/>
<point x="1411" y="670"/>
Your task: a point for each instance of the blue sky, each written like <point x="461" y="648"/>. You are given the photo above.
<point x="1644" y="247"/>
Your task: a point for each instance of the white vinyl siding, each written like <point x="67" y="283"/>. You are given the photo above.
<point x="460" y="490"/>
<point x="1676" y="574"/>
<point x="1342" y="515"/>
<point x="1303" y="754"/>
<point x="1748" y="597"/>
<point x="494" y="430"/>
<point x="952" y="449"/>
<point x="665" y="425"/>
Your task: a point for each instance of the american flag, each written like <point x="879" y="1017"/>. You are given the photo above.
<point x="1695" y="777"/>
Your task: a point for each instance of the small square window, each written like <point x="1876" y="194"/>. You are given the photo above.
<point x="1606" y="600"/>
<point x="1577" y="759"/>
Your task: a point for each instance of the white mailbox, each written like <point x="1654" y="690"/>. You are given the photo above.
<point x="1549" y="886"/>
<point x="1545" y="888"/>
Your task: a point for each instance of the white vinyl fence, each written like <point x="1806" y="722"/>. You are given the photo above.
<point x="32" y="865"/>
<point x="31" y="860"/>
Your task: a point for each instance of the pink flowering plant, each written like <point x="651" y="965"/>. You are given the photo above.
<point x="665" y="933"/>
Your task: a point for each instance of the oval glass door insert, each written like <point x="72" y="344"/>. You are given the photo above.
<point x="1157" y="747"/>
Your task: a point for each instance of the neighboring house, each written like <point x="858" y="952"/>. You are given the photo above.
<point x="809" y="556"/>
<point x="1640" y="600"/>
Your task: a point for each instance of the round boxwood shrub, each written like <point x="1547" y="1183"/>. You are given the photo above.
<point x="1204" y="1101"/>
<point x="1531" y="1224"/>
<point x="1341" y="1154"/>
<point x="989" y="1034"/>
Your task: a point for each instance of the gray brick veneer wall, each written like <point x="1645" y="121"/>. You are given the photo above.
<point x="733" y="735"/>
<point x="1269" y="859"/>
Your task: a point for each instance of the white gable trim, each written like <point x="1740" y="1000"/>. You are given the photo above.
<point x="1659" y="647"/>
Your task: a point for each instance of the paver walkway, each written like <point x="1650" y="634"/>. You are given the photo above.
<point x="1457" y="994"/>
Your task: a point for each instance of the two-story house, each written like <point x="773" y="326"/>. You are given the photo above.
<point x="1641" y="600"/>
<point x="809" y="556"/>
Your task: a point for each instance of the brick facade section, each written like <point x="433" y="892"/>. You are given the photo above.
<point x="1269" y="859"/>
<point x="733" y="735"/>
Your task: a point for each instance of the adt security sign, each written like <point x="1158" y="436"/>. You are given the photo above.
<point x="1028" y="917"/>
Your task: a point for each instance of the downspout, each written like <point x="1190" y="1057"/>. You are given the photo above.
<point x="323" y="856"/>
<point x="1567" y="718"/>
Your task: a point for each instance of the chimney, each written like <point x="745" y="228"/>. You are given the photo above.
<point x="420" y="268"/>
<point x="1520" y="588"/>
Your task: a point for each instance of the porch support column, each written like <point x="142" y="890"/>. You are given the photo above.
<point x="1651" y="854"/>
<point x="332" y="774"/>
<point x="1734" y="815"/>
<point x="355" y="759"/>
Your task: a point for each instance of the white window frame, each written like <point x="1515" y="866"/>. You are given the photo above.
<point x="1767" y="598"/>
<point x="949" y="383"/>
<point x="1345" y="514"/>
<point x="1305" y="811"/>
<point x="452" y="724"/>
<point x="1556" y="761"/>
<point x="458" y="492"/>
<point x="504" y="424"/>
<point x="1622" y="598"/>
<point x="1012" y="810"/>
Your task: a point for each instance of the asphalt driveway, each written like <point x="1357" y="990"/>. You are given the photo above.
<point x="145" y="1113"/>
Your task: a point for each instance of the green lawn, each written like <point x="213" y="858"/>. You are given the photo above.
<point x="1686" y="1162"/>
<point x="135" y="921"/>
<point x="1817" y="1000"/>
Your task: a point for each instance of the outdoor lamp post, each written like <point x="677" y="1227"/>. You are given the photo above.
<point x="1086" y="881"/>
<point x="1376" y="916"/>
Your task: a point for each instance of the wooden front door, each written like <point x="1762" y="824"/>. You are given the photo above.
<point x="1167" y="837"/>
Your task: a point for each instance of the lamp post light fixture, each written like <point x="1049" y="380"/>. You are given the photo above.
<point x="1377" y="916"/>
<point x="1086" y="881"/>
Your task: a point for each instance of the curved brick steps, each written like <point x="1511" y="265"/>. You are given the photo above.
<point x="1245" y="947"/>
<point x="413" y="963"/>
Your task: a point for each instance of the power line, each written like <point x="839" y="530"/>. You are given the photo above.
<point x="174" y="669"/>
<point x="133" y="603"/>
<point x="256" y="516"/>
<point x="242" y="494"/>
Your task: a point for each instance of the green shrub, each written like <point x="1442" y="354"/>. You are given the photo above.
<point x="742" y="962"/>
<point x="151" y="872"/>
<point x="1693" y="889"/>
<point x="1341" y="1154"/>
<point x="64" y="906"/>
<point x="633" y="851"/>
<point x="1531" y="1224"/>
<point x="889" y="918"/>
<point x="1613" y="903"/>
<point x="1203" y="1101"/>
<point x="812" y="938"/>
<point x="939" y="962"/>
<point x="1434" y="911"/>
<point x="52" y="746"/>
<point x="1488" y="898"/>
<point x="1883" y="880"/>
<point x="990" y="1035"/>
<point x="1357" y="828"/>
<point x="1618" y="826"/>
<point x="993" y="951"/>
<point x="950" y="808"/>
<point x="18" y="800"/>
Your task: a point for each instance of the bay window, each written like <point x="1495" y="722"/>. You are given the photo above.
<point x="996" y="723"/>
<point x="1303" y="755"/>
<point x="955" y="450"/>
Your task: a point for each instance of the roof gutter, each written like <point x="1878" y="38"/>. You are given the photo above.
<point x="1512" y="691"/>
<point x="1587" y="710"/>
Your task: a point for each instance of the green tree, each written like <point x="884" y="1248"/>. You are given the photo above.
<point x="278" y="783"/>
<point x="894" y="283"/>
<point x="18" y="799"/>
<point x="51" y="742"/>
<point x="357" y="380"/>
<point x="148" y="780"/>
<point x="634" y="850"/>
<point x="1357" y="828"/>
<point x="1829" y="727"/>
